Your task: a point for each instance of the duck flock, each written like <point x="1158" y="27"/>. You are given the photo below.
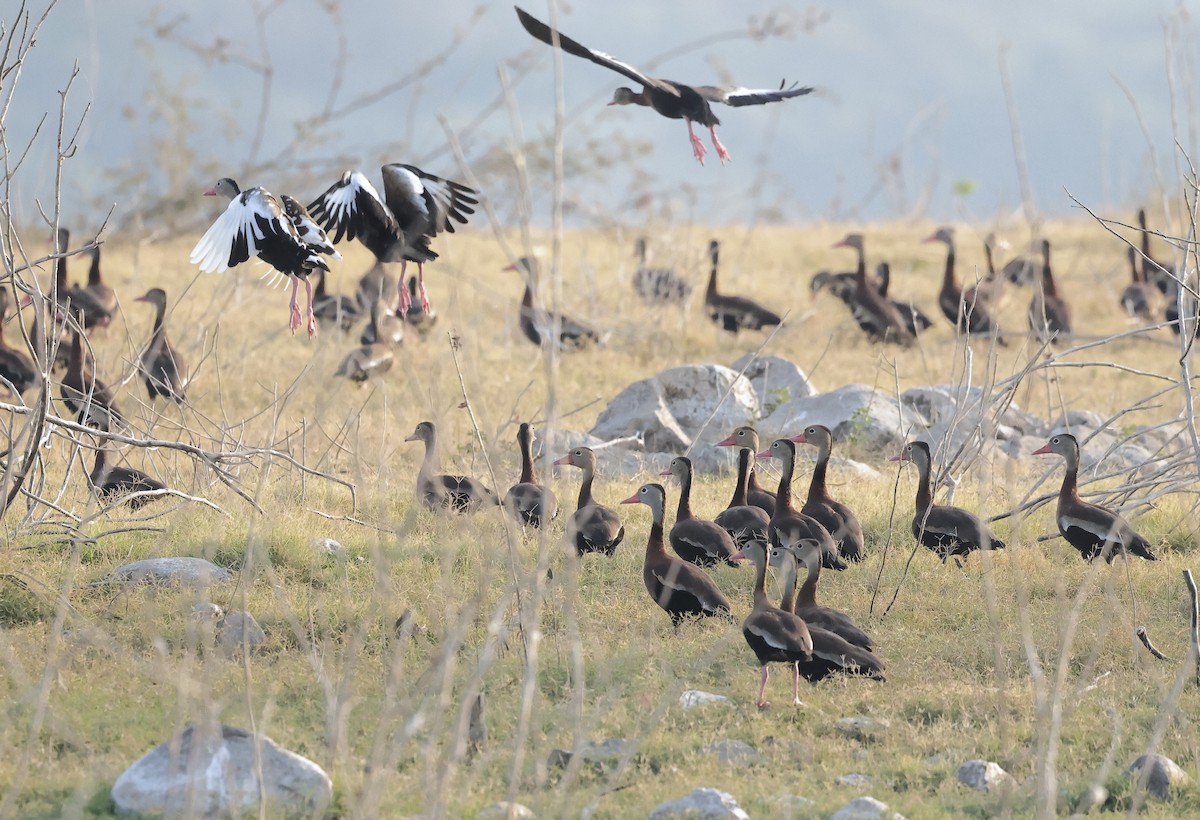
<point x="415" y="207"/>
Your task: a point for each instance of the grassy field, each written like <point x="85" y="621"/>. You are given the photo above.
<point x="94" y="676"/>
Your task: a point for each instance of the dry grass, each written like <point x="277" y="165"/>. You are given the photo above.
<point x="382" y="715"/>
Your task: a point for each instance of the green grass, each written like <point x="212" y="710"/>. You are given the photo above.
<point x="596" y="658"/>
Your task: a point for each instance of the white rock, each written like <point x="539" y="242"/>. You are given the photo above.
<point x="701" y="804"/>
<point x="954" y="414"/>
<point x="792" y="804"/>
<point x="178" y="570"/>
<point x="866" y="808"/>
<point x="983" y="775"/>
<point x="207" y="611"/>
<point x="862" y="727"/>
<point x="776" y="380"/>
<point x="327" y="545"/>
<point x="504" y="810"/>
<point x="858" y="415"/>
<point x="237" y="629"/>
<point x="694" y="697"/>
<point x="608" y="750"/>
<point x="732" y="751"/>
<point x="211" y="771"/>
<point x="1161" y="773"/>
<point x="856" y="779"/>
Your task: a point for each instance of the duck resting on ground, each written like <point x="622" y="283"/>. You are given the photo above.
<point x="528" y="501"/>
<point x="437" y="491"/>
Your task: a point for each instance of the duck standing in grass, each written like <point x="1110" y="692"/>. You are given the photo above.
<point x="437" y="491"/>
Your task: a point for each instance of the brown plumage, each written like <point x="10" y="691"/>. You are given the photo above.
<point x="1092" y="530"/>
<point x="658" y="286"/>
<point x="333" y="309"/>
<point x="543" y="326"/>
<point x="114" y="482"/>
<point x="16" y="367"/>
<point x="1157" y="272"/>
<point x="528" y="501"/>
<point x="593" y="527"/>
<point x="970" y="318"/>
<point x="741" y="519"/>
<point x="681" y="589"/>
<point x="1049" y="314"/>
<point x="163" y="369"/>
<point x="733" y="313"/>
<point x="756" y="496"/>
<point x="1139" y="297"/>
<point x="873" y="312"/>
<point x="75" y="301"/>
<point x="948" y="531"/>
<point x="96" y="287"/>
<point x="788" y="523"/>
<point x="695" y="540"/>
<point x="85" y="395"/>
<point x="834" y="516"/>
<point x="438" y="491"/>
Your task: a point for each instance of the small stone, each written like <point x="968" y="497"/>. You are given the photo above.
<point x="327" y="546"/>
<point x="983" y="775"/>
<point x="856" y="779"/>
<point x="1160" y="773"/>
<point x="210" y="771"/>
<point x="732" y="751"/>
<point x="185" y="570"/>
<point x="701" y="804"/>
<point x="504" y="810"/>
<point x="207" y="612"/>
<point x="862" y="727"/>
<point x="238" y="630"/>
<point x="794" y="803"/>
<point x="866" y="808"/>
<point x="600" y="752"/>
<point x="861" y="755"/>
<point x="694" y="697"/>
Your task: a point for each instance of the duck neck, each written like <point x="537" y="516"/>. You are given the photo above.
<point x="924" y="494"/>
<point x="948" y="279"/>
<point x="807" y="596"/>
<point x="60" y="273"/>
<point x="75" y="362"/>
<point x="94" y="271"/>
<point x="684" y="510"/>
<point x="527" y="472"/>
<point x="429" y="464"/>
<point x="655" y="545"/>
<point x="1047" y="274"/>
<point x="585" y="489"/>
<point x="1135" y="275"/>
<point x="160" y="311"/>
<point x="991" y="262"/>
<point x="742" y="488"/>
<point x="861" y="271"/>
<point x="760" y="580"/>
<point x="319" y="288"/>
<point x="714" y="256"/>
<point x="817" y="490"/>
<point x="787" y="570"/>
<point x="783" y="498"/>
<point x="1070" y="485"/>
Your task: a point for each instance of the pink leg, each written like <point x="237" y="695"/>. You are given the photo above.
<point x="312" y="319"/>
<point x="402" y="290"/>
<point x="721" y="152"/>
<point x="796" y="685"/>
<point x="762" y="689"/>
<point x="294" y="321"/>
<point x="697" y="145"/>
<point x="421" y="287"/>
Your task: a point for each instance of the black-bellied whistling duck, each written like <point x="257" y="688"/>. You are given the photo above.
<point x="310" y="233"/>
<point x="593" y="527"/>
<point x="539" y="325"/>
<point x="673" y="100"/>
<point x="741" y="519"/>
<point x="683" y="590"/>
<point x="386" y="326"/>
<point x="733" y="313"/>
<point x="787" y="558"/>
<point x="840" y="521"/>
<point x="110" y="481"/>
<point x="1156" y="272"/>
<point x="969" y="318"/>
<point x="162" y="367"/>
<point x="913" y="317"/>
<point x="16" y="367"/>
<point x="75" y="301"/>
<point x="58" y="346"/>
<point x="418" y="317"/>
<point x="747" y="439"/>
<point x="842" y="285"/>
<point x="658" y="285"/>
<point x="415" y="207"/>
<point x="699" y="542"/>
<point x="377" y="285"/>
<point x="1092" y="530"/>
<point x="438" y="491"/>
<point x="528" y="501"/>
<point x="788" y="523"/>
<point x="1049" y="314"/>
<point x="256" y="224"/>
<point x="371" y="359"/>
<point x="1139" y="296"/>
<point x="333" y="309"/>
<point x="989" y="290"/>
<point x="85" y="395"/>
<point x="948" y="531"/>
<point x="775" y="636"/>
<point x="838" y="645"/>
<point x="104" y="295"/>
<point x="873" y="312"/>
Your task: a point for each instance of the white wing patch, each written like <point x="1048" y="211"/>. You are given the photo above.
<point x="239" y="220"/>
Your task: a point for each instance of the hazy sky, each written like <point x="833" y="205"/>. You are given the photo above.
<point x="911" y="100"/>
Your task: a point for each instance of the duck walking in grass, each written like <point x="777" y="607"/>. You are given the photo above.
<point x="681" y="589"/>
<point x="773" y="635"/>
<point x="1092" y="530"/>
<point x="948" y="531"/>
<point x="528" y="501"/>
<point x="594" y="527"/>
<point x="437" y="491"/>
<point x="695" y="540"/>
<point x="161" y="365"/>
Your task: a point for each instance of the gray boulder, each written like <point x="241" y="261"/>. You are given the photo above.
<point x="599" y="752"/>
<point x="701" y="804"/>
<point x="862" y="727"/>
<point x="954" y="414"/>
<point x="866" y="808"/>
<point x="504" y="810"/>
<point x="775" y="379"/>
<point x="694" y="697"/>
<point x="983" y="775"/>
<point x="733" y="751"/>
<point x="237" y="630"/>
<point x="185" y="570"/>
<point x="859" y="416"/>
<point x="210" y="771"/>
<point x="856" y="780"/>
<point x="1160" y="773"/>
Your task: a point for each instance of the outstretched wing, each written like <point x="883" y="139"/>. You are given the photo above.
<point x="352" y="207"/>
<point x="309" y="231"/>
<point x="252" y="218"/>
<point x="425" y="204"/>
<point x="751" y="96"/>
<point x="550" y="37"/>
